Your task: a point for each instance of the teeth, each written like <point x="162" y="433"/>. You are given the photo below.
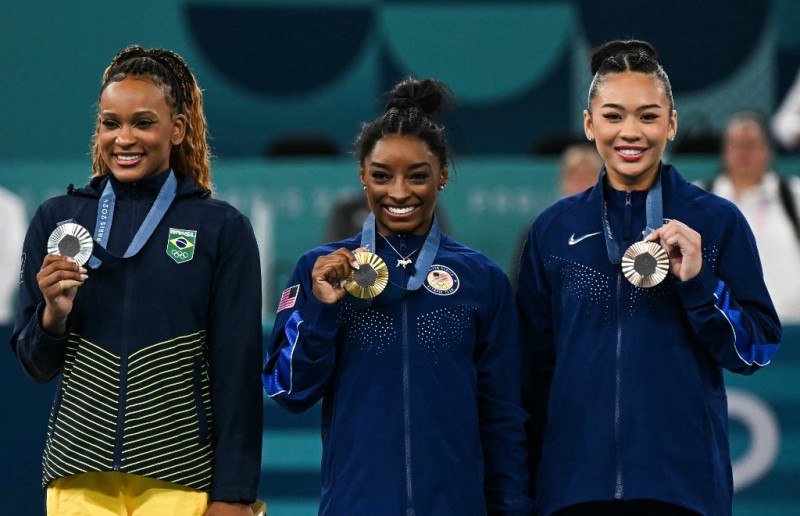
<point x="631" y="152"/>
<point x="128" y="157"/>
<point x="400" y="211"/>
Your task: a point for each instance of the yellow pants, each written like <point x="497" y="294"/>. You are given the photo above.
<point x="112" y="493"/>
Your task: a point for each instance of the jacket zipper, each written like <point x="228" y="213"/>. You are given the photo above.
<point x="123" y="382"/>
<point x="619" y="485"/>
<point x="619" y="489"/>
<point x="407" y="413"/>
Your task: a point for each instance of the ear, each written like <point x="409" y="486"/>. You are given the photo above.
<point x="445" y="175"/>
<point x="673" y="125"/>
<point x="178" y="130"/>
<point x="362" y="175"/>
<point x="587" y="125"/>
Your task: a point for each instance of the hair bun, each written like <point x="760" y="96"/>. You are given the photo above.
<point x="429" y="95"/>
<point x="631" y="50"/>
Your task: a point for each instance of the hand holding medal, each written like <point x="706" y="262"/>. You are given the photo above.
<point x="683" y="247"/>
<point x="360" y="273"/>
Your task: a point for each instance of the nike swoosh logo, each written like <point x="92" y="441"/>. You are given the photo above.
<point x="572" y="240"/>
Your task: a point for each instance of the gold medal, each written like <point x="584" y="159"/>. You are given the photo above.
<point x="645" y="264"/>
<point x="71" y="240"/>
<point x="370" y="278"/>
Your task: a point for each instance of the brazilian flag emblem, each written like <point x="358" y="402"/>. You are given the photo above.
<point x="180" y="244"/>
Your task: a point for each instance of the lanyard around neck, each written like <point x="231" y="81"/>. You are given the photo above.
<point x="654" y="212"/>
<point x="105" y="217"/>
<point x="394" y="292"/>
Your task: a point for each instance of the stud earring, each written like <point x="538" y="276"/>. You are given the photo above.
<point x="364" y="187"/>
<point x="590" y="138"/>
<point x="441" y="187"/>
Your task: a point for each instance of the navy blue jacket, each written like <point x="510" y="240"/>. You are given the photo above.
<point x="637" y="405"/>
<point x="160" y="363"/>
<point x="421" y="397"/>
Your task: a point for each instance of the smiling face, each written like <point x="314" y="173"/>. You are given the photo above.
<point x="137" y="129"/>
<point x="629" y="118"/>
<point x="401" y="176"/>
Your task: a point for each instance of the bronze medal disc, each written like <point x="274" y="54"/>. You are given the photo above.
<point x="645" y="264"/>
<point x="370" y="278"/>
<point x="71" y="240"/>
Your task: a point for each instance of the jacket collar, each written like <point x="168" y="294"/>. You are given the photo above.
<point x="186" y="186"/>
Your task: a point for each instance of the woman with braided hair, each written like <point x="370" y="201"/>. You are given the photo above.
<point x="409" y="339"/>
<point x="143" y="292"/>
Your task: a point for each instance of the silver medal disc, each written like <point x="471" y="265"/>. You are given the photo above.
<point x="71" y="240"/>
<point x="645" y="264"/>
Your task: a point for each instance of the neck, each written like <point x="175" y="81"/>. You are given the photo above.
<point x="744" y="181"/>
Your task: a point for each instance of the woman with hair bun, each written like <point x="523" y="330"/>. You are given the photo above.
<point x="633" y="296"/>
<point x="409" y="338"/>
<point x="143" y="292"/>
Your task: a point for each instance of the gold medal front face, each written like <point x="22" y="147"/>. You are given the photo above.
<point x="371" y="277"/>
<point x="71" y="240"/>
<point x="645" y="264"/>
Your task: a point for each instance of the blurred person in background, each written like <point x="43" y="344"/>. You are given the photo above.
<point x="786" y="121"/>
<point x="12" y="233"/>
<point x="770" y="204"/>
<point x="578" y="168"/>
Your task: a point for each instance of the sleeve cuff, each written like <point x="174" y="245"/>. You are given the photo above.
<point x="321" y="315"/>
<point x="43" y="336"/>
<point x="232" y="495"/>
<point x="698" y="291"/>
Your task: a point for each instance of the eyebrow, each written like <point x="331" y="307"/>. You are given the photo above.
<point x="137" y="113"/>
<point x="640" y="108"/>
<point x="415" y="166"/>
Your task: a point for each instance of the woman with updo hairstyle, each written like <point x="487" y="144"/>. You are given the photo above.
<point x="141" y="293"/>
<point x="409" y="339"/>
<point x="633" y="296"/>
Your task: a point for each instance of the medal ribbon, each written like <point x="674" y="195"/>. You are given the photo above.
<point x="427" y="253"/>
<point x="654" y="209"/>
<point x="105" y="217"/>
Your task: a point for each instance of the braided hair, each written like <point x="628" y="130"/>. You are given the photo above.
<point x="628" y="56"/>
<point x="409" y="111"/>
<point x="168" y="72"/>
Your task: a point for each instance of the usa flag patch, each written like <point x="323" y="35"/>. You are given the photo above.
<point x="288" y="297"/>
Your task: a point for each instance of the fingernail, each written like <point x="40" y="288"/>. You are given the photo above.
<point x="341" y="283"/>
<point x="82" y="270"/>
<point x="70" y="259"/>
<point x="355" y="265"/>
<point x="84" y="277"/>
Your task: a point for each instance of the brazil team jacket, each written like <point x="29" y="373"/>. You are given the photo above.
<point x="160" y="363"/>
<point x="421" y="397"/>
<point x="637" y="405"/>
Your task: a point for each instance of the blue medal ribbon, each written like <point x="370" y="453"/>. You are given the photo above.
<point x="654" y="209"/>
<point x="427" y="253"/>
<point x="105" y="217"/>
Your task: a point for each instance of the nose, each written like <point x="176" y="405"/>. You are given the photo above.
<point x="630" y="130"/>
<point x="125" y="135"/>
<point x="399" y="190"/>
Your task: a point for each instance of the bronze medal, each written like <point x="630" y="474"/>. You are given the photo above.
<point x="645" y="264"/>
<point x="71" y="240"/>
<point x="370" y="278"/>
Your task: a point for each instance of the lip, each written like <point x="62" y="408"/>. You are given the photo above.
<point x="128" y="162"/>
<point x="630" y="157"/>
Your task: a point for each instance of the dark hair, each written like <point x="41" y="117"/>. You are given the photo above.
<point x="627" y="56"/>
<point x="169" y="73"/>
<point x="409" y="112"/>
